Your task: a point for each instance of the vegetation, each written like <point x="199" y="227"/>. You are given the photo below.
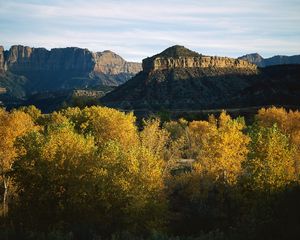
<point x="92" y="173"/>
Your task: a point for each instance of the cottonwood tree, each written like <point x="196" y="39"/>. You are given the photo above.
<point x="288" y="122"/>
<point x="99" y="176"/>
<point x="222" y="147"/>
<point x="270" y="164"/>
<point x="12" y="125"/>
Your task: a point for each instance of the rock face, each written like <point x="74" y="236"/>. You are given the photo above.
<point x="21" y="58"/>
<point x="110" y="63"/>
<point x="1" y="59"/>
<point x="180" y="79"/>
<point x="63" y="68"/>
<point x="180" y="57"/>
<point x="255" y="58"/>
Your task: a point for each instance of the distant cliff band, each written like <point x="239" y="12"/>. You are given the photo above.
<point x="161" y="63"/>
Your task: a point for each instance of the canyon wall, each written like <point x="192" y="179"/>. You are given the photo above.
<point x="162" y="63"/>
<point x="110" y="63"/>
<point x="25" y="59"/>
<point x="1" y="59"/>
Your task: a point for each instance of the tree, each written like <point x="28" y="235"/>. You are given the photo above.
<point x="12" y="125"/>
<point x="270" y="163"/>
<point x="89" y="176"/>
<point x="222" y="147"/>
<point x="51" y="176"/>
<point x="288" y="122"/>
<point x="154" y="138"/>
<point x="104" y="124"/>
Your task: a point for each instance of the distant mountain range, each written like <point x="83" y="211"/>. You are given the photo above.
<point x="176" y="78"/>
<point x="179" y="78"/>
<point x="276" y="60"/>
<point x="25" y="70"/>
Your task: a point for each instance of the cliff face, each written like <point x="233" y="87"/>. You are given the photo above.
<point x="162" y="63"/>
<point x="258" y="60"/>
<point x="180" y="57"/>
<point x="181" y="79"/>
<point x="1" y="59"/>
<point x="39" y="70"/>
<point x="110" y="63"/>
<point x="22" y="59"/>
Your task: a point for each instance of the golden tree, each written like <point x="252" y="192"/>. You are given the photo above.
<point x="222" y="147"/>
<point x="104" y="124"/>
<point x="12" y="126"/>
<point x="154" y="138"/>
<point x="288" y="122"/>
<point x="270" y="164"/>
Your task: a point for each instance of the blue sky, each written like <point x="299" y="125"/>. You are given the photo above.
<point x="136" y="29"/>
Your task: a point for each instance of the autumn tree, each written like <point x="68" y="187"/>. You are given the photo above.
<point x="104" y="124"/>
<point x="270" y="164"/>
<point x="51" y="175"/>
<point x="179" y="146"/>
<point x="288" y="122"/>
<point x="154" y="138"/>
<point x="88" y="168"/>
<point x="12" y="125"/>
<point x="222" y="147"/>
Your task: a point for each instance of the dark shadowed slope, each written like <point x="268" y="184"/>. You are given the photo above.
<point x="193" y="81"/>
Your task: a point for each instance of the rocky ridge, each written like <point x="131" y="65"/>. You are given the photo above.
<point x="180" y="79"/>
<point x="26" y="70"/>
<point x="180" y="57"/>
<point x="257" y="59"/>
<point x="2" y="61"/>
<point x="21" y="58"/>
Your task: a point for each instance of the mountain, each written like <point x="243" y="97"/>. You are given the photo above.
<point x="25" y="70"/>
<point x="276" y="60"/>
<point x="178" y="78"/>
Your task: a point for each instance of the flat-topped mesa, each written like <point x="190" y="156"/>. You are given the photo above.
<point x="180" y="57"/>
<point x="26" y="59"/>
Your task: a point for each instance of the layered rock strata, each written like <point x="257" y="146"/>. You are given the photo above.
<point x="23" y="59"/>
<point x="162" y="63"/>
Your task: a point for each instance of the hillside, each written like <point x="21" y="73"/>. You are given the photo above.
<point x="26" y="70"/>
<point x="193" y="81"/>
<point x="255" y="58"/>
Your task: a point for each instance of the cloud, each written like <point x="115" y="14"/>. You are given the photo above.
<point x="137" y="29"/>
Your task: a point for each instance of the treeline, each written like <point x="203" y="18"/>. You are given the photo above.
<point x="93" y="174"/>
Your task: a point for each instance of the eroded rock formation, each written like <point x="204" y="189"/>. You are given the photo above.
<point x="179" y="79"/>
<point x="258" y="60"/>
<point x="1" y="59"/>
<point x="25" y="70"/>
<point x="180" y="57"/>
<point x="21" y="58"/>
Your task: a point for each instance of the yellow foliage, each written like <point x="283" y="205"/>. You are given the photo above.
<point x="270" y="164"/>
<point x="12" y="126"/>
<point x="288" y="122"/>
<point x="104" y="124"/>
<point x="154" y="138"/>
<point x="222" y="147"/>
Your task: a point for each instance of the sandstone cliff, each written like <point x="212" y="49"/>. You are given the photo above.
<point x="39" y="69"/>
<point x="21" y="58"/>
<point x="172" y="58"/>
<point x="180" y="79"/>
<point x="1" y="59"/>
<point x="110" y="63"/>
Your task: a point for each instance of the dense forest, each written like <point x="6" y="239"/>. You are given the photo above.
<point x="95" y="173"/>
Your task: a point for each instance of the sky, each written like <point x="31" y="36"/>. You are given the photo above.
<point x="136" y="29"/>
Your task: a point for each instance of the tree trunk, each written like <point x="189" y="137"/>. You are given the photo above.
<point x="5" y="203"/>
